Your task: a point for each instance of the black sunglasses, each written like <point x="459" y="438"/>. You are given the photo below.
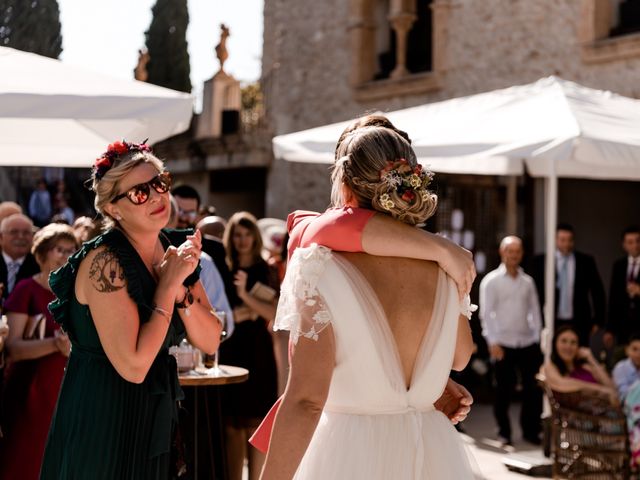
<point x="139" y="194"/>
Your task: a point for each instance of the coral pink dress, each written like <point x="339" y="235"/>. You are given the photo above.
<point x="31" y="391"/>
<point x="337" y="228"/>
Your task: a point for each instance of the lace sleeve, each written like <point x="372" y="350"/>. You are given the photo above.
<point x="302" y="309"/>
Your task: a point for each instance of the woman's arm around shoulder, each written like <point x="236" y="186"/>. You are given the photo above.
<point x="361" y="230"/>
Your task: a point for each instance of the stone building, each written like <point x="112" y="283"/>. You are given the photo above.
<point x="333" y="60"/>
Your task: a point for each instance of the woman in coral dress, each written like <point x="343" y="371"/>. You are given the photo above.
<point x="375" y="340"/>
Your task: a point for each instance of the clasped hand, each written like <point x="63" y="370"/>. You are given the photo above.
<point x="180" y="262"/>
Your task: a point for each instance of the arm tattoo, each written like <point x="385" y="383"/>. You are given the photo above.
<point x="105" y="272"/>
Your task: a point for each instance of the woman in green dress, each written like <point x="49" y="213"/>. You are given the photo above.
<point x="124" y="299"/>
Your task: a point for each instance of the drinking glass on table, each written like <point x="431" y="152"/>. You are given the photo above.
<point x="215" y="361"/>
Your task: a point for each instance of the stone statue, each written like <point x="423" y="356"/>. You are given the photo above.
<point x="140" y="72"/>
<point x="221" y="48"/>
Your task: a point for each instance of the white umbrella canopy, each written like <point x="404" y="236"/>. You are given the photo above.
<point x="552" y="126"/>
<point x="53" y="114"/>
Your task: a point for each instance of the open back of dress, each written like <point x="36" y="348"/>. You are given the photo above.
<point x="372" y="426"/>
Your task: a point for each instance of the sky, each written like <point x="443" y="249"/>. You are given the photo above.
<point x="105" y="35"/>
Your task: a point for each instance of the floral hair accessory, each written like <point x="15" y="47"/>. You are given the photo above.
<point x="114" y="150"/>
<point x="407" y="181"/>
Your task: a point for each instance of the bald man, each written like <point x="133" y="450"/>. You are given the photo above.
<point x="511" y="325"/>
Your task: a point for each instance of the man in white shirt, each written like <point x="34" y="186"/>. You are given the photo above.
<point x="511" y="325"/>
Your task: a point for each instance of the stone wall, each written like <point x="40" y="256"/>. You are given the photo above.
<point x="489" y="44"/>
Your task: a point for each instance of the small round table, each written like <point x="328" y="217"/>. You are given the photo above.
<point x="208" y="376"/>
<point x="202" y="377"/>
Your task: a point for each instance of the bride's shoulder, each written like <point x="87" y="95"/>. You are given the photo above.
<point x="312" y="253"/>
<point x="309" y="262"/>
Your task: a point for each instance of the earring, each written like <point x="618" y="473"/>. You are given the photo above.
<point x="118" y="217"/>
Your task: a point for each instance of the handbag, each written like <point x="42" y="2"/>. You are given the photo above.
<point x="34" y="330"/>
<point x="263" y="292"/>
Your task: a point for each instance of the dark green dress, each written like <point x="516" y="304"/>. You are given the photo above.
<point x="105" y="427"/>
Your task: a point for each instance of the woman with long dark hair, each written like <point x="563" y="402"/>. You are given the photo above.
<point x="251" y="345"/>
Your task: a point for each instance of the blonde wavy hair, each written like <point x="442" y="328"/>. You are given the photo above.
<point x="107" y="187"/>
<point x="362" y="154"/>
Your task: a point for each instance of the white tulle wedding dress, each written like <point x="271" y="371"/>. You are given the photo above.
<point x="373" y="427"/>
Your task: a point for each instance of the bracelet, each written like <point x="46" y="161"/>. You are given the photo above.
<point x="165" y="313"/>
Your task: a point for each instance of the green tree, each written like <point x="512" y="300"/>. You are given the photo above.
<point x="32" y="26"/>
<point x="167" y="45"/>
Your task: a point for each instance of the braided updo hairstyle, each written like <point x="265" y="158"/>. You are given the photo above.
<point x="362" y="154"/>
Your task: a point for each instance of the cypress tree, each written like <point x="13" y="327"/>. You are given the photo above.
<point x="167" y="45"/>
<point x="32" y="26"/>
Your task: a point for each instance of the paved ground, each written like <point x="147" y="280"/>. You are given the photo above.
<point x="480" y="436"/>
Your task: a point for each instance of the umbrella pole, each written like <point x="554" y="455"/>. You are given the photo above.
<point x="551" y="198"/>
<point x="551" y="219"/>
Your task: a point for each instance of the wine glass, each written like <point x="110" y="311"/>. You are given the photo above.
<point x="216" y="370"/>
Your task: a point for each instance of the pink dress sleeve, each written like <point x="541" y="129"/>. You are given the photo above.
<point x="339" y="229"/>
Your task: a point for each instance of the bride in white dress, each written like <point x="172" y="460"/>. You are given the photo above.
<point x="374" y="341"/>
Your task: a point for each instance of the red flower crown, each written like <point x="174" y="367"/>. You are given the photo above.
<point x="103" y="164"/>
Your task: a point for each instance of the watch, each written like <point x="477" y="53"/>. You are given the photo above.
<point x="187" y="301"/>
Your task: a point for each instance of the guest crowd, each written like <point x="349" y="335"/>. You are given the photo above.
<point x="512" y="323"/>
<point x="242" y="265"/>
<point x="240" y="275"/>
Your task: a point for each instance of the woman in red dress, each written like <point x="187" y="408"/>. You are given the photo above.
<point x="36" y="361"/>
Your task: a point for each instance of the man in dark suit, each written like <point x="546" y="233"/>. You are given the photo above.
<point x="16" y="261"/>
<point x="580" y="299"/>
<point x="624" y="291"/>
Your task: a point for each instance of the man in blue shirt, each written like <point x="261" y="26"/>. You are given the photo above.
<point x="627" y="371"/>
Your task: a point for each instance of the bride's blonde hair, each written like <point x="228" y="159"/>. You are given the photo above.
<point x="364" y="155"/>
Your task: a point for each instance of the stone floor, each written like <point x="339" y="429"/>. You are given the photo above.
<point x="480" y="436"/>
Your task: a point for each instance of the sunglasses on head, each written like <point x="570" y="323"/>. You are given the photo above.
<point x="140" y="193"/>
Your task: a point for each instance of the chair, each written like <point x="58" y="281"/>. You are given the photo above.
<point x="589" y="437"/>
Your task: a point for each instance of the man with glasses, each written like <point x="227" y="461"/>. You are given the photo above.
<point x="188" y="205"/>
<point x="16" y="261"/>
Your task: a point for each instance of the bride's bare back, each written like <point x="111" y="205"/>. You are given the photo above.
<point x="406" y="291"/>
